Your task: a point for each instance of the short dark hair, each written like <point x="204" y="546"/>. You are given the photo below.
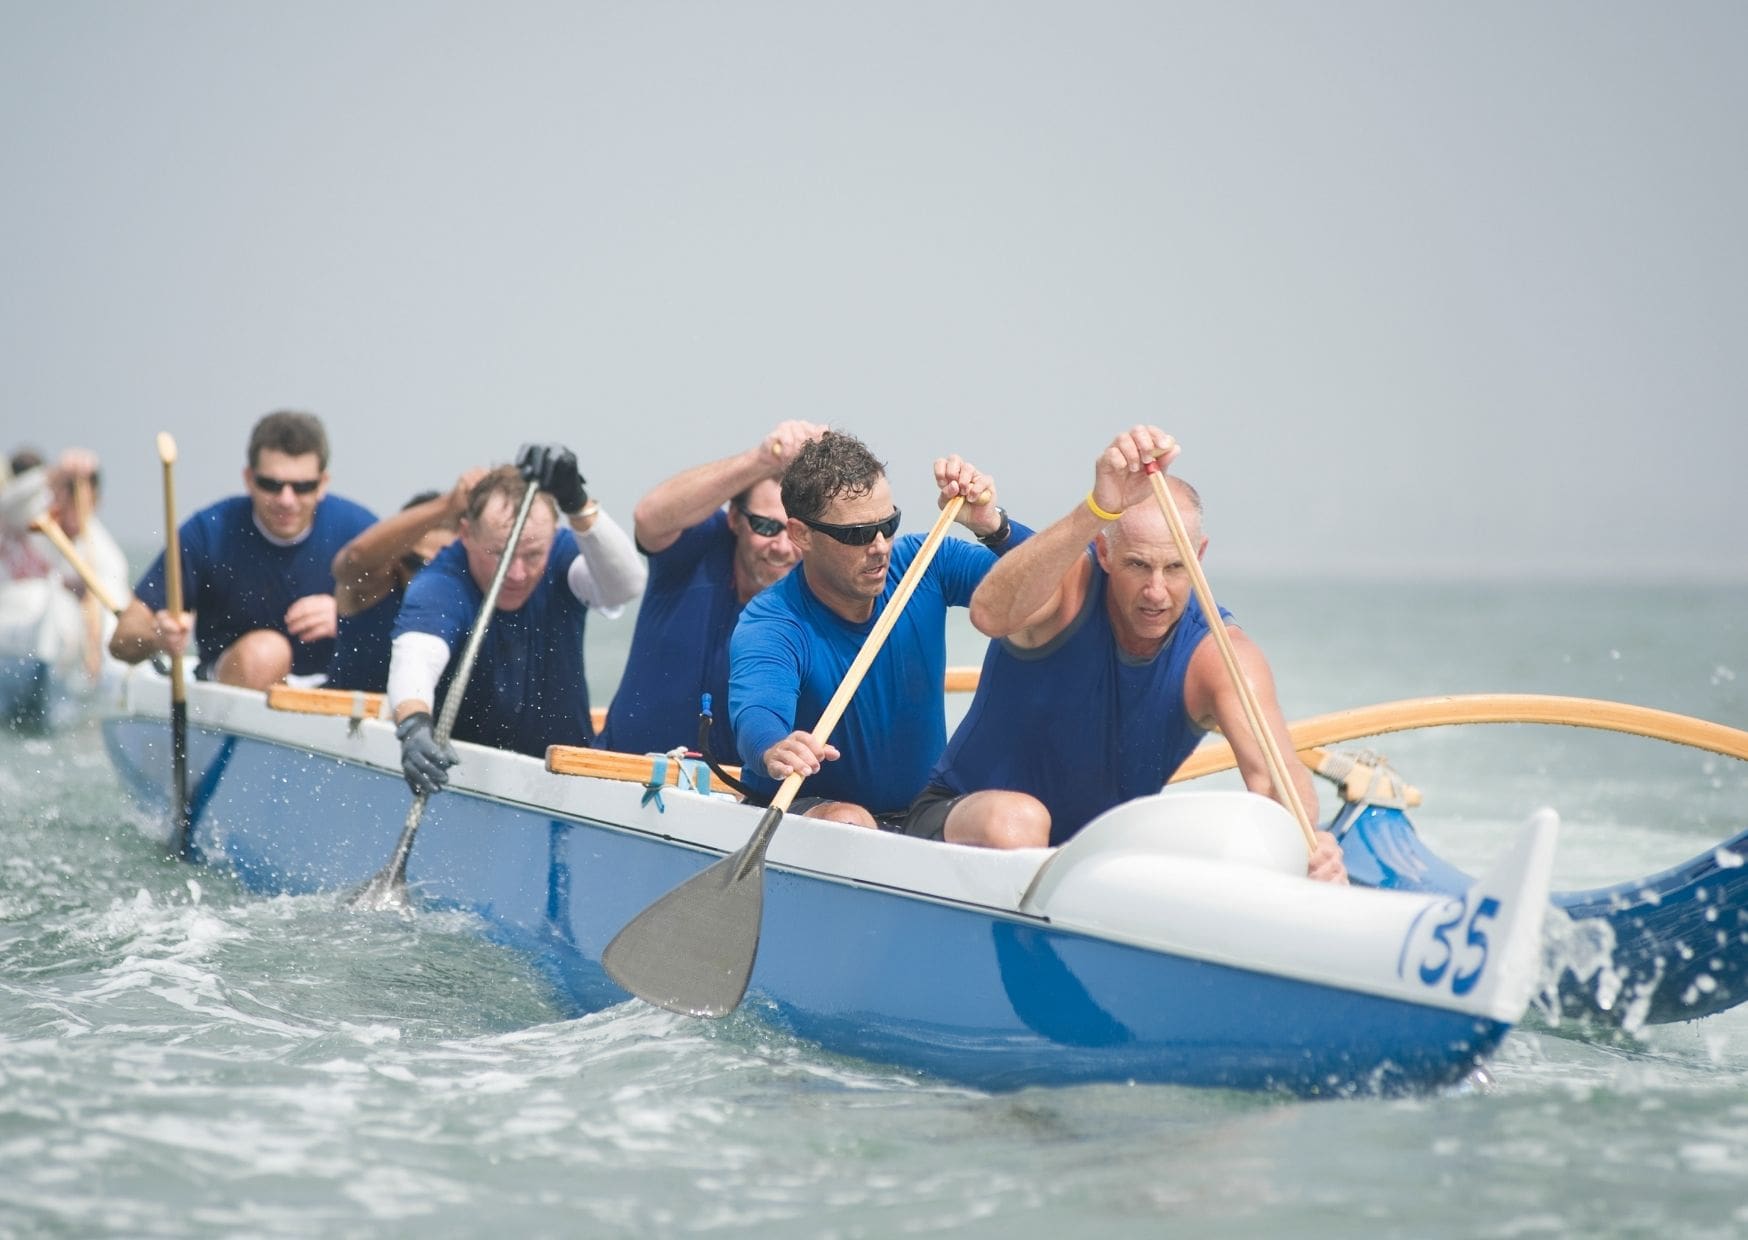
<point x="505" y="480"/>
<point x="289" y="432"/>
<point x="836" y="464"/>
<point x="425" y="497"/>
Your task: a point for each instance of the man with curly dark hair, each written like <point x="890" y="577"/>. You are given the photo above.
<point x="796" y="640"/>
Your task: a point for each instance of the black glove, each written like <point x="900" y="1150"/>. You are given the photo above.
<point x="553" y="467"/>
<point x="424" y="762"/>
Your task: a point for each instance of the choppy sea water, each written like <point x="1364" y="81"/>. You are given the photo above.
<point x="178" y="1057"/>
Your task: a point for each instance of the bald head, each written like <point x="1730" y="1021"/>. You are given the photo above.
<point x="1146" y="524"/>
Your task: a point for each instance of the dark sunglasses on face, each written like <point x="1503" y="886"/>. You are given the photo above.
<point x="856" y="535"/>
<point x="764" y="527"/>
<point x="272" y="485"/>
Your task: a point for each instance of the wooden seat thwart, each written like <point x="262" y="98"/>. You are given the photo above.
<point x="354" y="704"/>
<point x="604" y="764"/>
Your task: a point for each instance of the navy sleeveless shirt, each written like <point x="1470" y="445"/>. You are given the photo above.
<point x="1078" y="723"/>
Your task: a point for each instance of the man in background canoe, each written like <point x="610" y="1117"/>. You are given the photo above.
<point x="370" y="580"/>
<point x="50" y="624"/>
<point x="796" y="640"/>
<point x="1100" y="683"/>
<point x="527" y="689"/>
<point x="705" y="562"/>
<point x="55" y="490"/>
<point x="256" y="569"/>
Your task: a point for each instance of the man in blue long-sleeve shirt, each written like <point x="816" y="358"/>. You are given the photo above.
<point x="796" y="640"/>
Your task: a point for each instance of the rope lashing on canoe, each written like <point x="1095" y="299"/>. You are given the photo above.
<point x="1365" y="778"/>
<point x="690" y="775"/>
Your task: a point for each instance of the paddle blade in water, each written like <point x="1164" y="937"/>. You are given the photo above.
<point x="692" y="951"/>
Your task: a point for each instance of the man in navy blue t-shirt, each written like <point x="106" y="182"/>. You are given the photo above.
<point x="256" y="576"/>
<point x="1100" y="682"/>
<point x="704" y="564"/>
<point x="527" y="689"/>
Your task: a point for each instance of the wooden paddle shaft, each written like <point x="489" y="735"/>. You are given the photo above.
<point x="172" y="555"/>
<point x="51" y="529"/>
<point x="1277" y="766"/>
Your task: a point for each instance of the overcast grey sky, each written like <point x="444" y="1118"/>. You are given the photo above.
<point x="1420" y="287"/>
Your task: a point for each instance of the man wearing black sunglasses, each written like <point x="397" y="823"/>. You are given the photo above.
<point x="257" y="575"/>
<point x="705" y="561"/>
<point x="371" y="574"/>
<point x="796" y="641"/>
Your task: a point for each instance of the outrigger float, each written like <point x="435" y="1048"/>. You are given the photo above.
<point x="1174" y="940"/>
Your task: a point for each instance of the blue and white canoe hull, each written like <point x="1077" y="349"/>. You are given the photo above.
<point x="1122" y="956"/>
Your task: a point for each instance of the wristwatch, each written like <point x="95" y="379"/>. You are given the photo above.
<point x="1000" y="533"/>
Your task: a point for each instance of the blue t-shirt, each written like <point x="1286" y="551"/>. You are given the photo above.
<point x="527" y="689"/>
<point x="235" y="580"/>
<point x="361" y="647"/>
<point x="1078" y="722"/>
<point x="679" y="650"/>
<point x="790" y="653"/>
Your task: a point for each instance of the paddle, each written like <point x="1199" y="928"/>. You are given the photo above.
<point x="51" y="529"/>
<point x="1432" y="712"/>
<point x="1217" y="626"/>
<point x="84" y="508"/>
<point x="179" y="842"/>
<point x="388" y="889"/>
<point x="692" y="951"/>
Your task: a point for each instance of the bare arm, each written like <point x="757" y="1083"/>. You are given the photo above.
<point x="674" y="506"/>
<point x="141" y="633"/>
<point x="1213" y="702"/>
<point x="1038" y="587"/>
<point x="364" y="569"/>
<point x="1035" y="589"/>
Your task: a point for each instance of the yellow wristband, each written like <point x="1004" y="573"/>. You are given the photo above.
<point x="1098" y="512"/>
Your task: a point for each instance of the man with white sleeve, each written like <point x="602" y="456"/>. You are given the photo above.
<point x="527" y="688"/>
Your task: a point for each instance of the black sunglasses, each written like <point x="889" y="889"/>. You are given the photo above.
<point x="273" y="485"/>
<point x="856" y="535"/>
<point x="765" y="527"/>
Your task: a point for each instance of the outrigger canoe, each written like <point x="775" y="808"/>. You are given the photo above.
<point x="1175" y="940"/>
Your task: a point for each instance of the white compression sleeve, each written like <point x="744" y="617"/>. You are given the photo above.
<point x="609" y="573"/>
<point x="416" y="661"/>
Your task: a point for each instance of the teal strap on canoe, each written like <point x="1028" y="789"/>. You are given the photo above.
<point x="690" y="774"/>
<point x="658" y="779"/>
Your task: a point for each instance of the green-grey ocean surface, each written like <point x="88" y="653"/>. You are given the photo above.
<point x="178" y="1057"/>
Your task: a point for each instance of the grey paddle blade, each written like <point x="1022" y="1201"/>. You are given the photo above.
<point x="692" y="951"/>
<point x="385" y="893"/>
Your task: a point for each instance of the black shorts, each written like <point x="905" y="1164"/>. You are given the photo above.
<point x="925" y="819"/>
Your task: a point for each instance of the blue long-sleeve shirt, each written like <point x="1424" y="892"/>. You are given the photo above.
<point x="790" y="652"/>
